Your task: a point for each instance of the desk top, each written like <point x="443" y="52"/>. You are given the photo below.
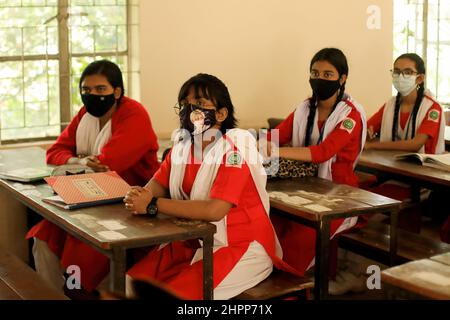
<point x="424" y="277"/>
<point x="383" y="160"/>
<point x="107" y="226"/>
<point x="442" y="258"/>
<point x="313" y="198"/>
<point x="103" y="226"/>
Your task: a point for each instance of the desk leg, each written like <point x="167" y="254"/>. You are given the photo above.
<point x="208" y="290"/>
<point x="393" y="239"/>
<point x="118" y="268"/>
<point x="322" y="265"/>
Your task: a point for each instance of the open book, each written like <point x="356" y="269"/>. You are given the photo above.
<point x="439" y="161"/>
<point x="86" y="190"/>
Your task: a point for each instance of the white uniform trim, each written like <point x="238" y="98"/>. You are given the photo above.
<point x="388" y="119"/>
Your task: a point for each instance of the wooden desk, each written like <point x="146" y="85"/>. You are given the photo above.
<point x="86" y="225"/>
<point x="376" y="161"/>
<point x="442" y="258"/>
<point x="424" y="278"/>
<point x="344" y="202"/>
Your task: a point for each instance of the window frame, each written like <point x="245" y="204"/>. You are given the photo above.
<point x="64" y="57"/>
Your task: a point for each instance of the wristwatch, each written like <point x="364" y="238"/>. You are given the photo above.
<point x="152" y="209"/>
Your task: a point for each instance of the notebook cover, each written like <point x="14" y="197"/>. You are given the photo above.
<point x="89" y="188"/>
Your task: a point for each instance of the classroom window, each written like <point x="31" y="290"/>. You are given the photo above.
<point x="423" y="27"/>
<point x="45" y="46"/>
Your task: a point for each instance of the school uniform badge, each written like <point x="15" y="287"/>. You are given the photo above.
<point x="348" y="125"/>
<point x="234" y="159"/>
<point x="433" y="115"/>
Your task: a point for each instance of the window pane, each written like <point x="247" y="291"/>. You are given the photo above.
<point x="29" y="87"/>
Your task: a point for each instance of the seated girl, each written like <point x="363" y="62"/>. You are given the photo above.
<point x="110" y="132"/>
<point x="328" y="129"/>
<point x="411" y="122"/>
<point x="213" y="173"/>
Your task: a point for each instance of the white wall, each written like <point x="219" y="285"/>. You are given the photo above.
<point x="261" y="49"/>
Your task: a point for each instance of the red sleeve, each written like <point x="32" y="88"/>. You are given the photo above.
<point x="230" y="182"/>
<point x="431" y="123"/>
<point x="376" y="119"/>
<point x="65" y="146"/>
<point x="338" y="138"/>
<point x="285" y="130"/>
<point x="162" y="176"/>
<point x="132" y="137"/>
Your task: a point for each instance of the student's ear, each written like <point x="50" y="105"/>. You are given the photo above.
<point x="420" y="79"/>
<point x="117" y="92"/>
<point x="221" y="114"/>
<point x="343" y="79"/>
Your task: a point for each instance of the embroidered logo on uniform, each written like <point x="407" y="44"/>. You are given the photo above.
<point x="433" y="115"/>
<point x="234" y="159"/>
<point x="348" y="125"/>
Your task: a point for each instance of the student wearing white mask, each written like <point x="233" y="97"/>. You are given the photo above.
<point x="411" y="121"/>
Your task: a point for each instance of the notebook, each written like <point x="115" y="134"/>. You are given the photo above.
<point x="27" y="174"/>
<point x="438" y="161"/>
<point x="86" y="190"/>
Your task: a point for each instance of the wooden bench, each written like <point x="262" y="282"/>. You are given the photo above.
<point x="278" y="285"/>
<point x="19" y="282"/>
<point x="372" y="241"/>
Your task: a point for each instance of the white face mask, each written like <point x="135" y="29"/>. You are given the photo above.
<point x="404" y="85"/>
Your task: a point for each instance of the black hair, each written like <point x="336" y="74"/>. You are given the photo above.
<point x="337" y="58"/>
<point x="109" y="70"/>
<point x="420" y="66"/>
<point x="211" y="88"/>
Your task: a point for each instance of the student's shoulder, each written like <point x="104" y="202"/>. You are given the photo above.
<point x="434" y="104"/>
<point x="357" y="110"/>
<point x="130" y="106"/>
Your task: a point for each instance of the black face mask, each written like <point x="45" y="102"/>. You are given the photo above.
<point x="324" y="89"/>
<point x="187" y="114"/>
<point x="98" y="105"/>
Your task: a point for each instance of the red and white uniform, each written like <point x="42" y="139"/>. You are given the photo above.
<point x="342" y="142"/>
<point x="245" y="244"/>
<point x="429" y="121"/>
<point x="128" y="145"/>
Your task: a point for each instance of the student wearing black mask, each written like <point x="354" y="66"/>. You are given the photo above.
<point x="110" y="132"/>
<point x="328" y="129"/>
<point x="221" y="184"/>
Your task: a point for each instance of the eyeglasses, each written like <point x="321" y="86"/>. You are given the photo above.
<point x="407" y="73"/>
<point x="199" y="105"/>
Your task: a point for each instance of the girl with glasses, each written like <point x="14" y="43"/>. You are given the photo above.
<point x="224" y="183"/>
<point x="412" y="121"/>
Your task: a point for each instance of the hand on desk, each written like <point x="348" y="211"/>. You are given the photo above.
<point x="93" y="163"/>
<point x="137" y="200"/>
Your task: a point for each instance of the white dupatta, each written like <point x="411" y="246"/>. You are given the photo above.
<point x="246" y="146"/>
<point x="89" y="138"/>
<point x="341" y="111"/>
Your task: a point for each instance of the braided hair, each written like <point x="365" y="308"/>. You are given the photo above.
<point x="420" y="66"/>
<point x="337" y="58"/>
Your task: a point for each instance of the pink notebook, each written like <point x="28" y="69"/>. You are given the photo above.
<point x="85" y="190"/>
